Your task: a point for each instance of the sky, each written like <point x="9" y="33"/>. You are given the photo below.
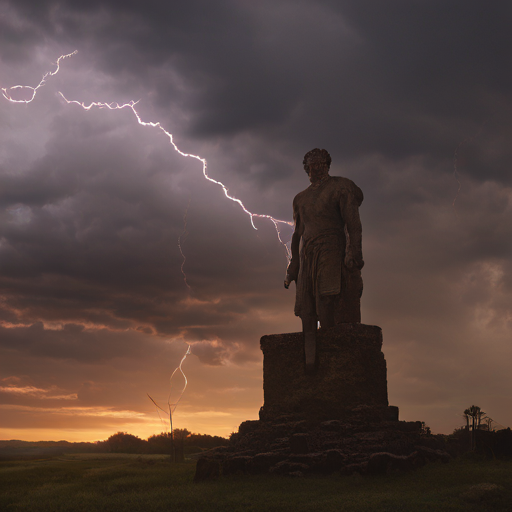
<point x="100" y="217"/>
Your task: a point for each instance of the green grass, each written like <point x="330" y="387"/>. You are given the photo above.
<point x="112" y="482"/>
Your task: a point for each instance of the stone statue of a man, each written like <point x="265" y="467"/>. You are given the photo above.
<point x="326" y="251"/>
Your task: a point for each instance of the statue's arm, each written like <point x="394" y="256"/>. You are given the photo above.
<point x="292" y="271"/>
<point x="353" y="229"/>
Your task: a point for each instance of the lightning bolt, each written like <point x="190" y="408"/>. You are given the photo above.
<point x="151" y="124"/>
<point x="180" y="241"/>
<point x="6" y="92"/>
<point x="7" y="96"/>
<point x="131" y="105"/>
<point x="171" y="407"/>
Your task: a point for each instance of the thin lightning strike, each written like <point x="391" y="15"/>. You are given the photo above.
<point x="180" y="241"/>
<point x="171" y="407"/>
<point x="8" y="97"/>
<point x="284" y="244"/>
<point x="131" y="106"/>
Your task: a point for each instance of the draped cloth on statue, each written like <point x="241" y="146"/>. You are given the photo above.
<point x="320" y="270"/>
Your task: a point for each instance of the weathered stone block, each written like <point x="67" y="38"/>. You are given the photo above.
<point x="236" y="465"/>
<point x="351" y="372"/>
<point x="299" y="443"/>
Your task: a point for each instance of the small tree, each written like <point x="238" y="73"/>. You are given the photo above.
<point x="122" y="442"/>
<point x="488" y="422"/>
<point x="161" y="443"/>
<point x="475" y="413"/>
<point x="425" y="429"/>
<point x="466" y="417"/>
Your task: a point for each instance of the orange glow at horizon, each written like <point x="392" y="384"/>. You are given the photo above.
<point x="215" y="423"/>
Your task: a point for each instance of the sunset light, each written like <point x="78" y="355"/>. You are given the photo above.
<point x="142" y="143"/>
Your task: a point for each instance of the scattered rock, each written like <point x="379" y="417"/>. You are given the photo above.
<point x="325" y="447"/>
<point x="236" y="465"/>
<point x="262" y="462"/>
<point x="334" y="460"/>
<point x="381" y="463"/>
<point x="287" y="468"/>
<point x="312" y="460"/>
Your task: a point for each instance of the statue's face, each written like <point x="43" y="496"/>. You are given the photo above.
<point x="317" y="169"/>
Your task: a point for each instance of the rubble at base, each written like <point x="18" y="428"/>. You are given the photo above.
<point x="288" y="446"/>
<point x="336" y="420"/>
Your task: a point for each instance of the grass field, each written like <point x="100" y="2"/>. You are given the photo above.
<point x="112" y="482"/>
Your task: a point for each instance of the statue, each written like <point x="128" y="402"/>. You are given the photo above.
<point x="326" y="248"/>
<point x="349" y="385"/>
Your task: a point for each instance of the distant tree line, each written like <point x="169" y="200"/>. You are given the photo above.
<point x="183" y="443"/>
<point x="182" y="440"/>
<point x="15" y="449"/>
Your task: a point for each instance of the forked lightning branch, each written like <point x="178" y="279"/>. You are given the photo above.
<point x="7" y="94"/>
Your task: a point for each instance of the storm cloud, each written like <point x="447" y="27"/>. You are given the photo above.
<point x="115" y="251"/>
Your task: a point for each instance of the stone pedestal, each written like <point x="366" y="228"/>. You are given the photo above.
<point x="350" y="374"/>
<point x="337" y="420"/>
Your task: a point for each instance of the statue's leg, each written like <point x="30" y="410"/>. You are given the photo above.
<point x="309" y="330"/>
<point x="327" y="310"/>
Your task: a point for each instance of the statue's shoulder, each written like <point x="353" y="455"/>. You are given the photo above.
<point x="300" y="197"/>
<point x="347" y="186"/>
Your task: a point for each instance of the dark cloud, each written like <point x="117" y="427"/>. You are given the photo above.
<point x="412" y="99"/>
<point x="73" y="342"/>
<point x="334" y="72"/>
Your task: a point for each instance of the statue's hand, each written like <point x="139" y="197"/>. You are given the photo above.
<point x="353" y="262"/>
<point x="287" y="281"/>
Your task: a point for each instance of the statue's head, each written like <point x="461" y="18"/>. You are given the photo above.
<point x="317" y="160"/>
